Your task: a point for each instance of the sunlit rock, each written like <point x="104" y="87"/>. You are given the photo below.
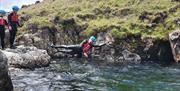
<point x="174" y="39"/>
<point x="27" y="57"/>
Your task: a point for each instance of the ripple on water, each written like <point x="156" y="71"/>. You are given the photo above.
<point x="64" y="75"/>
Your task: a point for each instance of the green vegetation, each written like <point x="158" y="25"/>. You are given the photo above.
<point x="121" y="13"/>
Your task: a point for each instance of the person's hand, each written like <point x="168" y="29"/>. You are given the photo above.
<point x="86" y="55"/>
<point x="102" y="44"/>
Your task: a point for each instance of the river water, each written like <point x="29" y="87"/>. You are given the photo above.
<point x="73" y="75"/>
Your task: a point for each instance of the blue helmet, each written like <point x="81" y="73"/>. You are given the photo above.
<point x="16" y="8"/>
<point x="2" y="12"/>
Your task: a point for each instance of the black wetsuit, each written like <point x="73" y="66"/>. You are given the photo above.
<point x="14" y="23"/>
<point x="2" y="31"/>
<point x="76" y="49"/>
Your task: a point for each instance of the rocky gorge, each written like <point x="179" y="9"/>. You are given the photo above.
<point x="34" y="50"/>
<point x="34" y="65"/>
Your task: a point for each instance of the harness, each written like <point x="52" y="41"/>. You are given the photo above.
<point x="86" y="47"/>
<point x="14" y="17"/>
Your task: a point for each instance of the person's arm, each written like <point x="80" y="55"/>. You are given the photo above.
<point x="19" y="23"/>
<point x="85" y="54"/>
<point x="82" y="43"/>
<point x="58" y="46"/>
<point x="10" y="21"/>
<point x="9" y="18"/>
<point x="6" y="24"/>
<point x="99" y="45"/>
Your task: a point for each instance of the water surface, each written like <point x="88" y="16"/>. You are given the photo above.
<point x="73" y="75"/>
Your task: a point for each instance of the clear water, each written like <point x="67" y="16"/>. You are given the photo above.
<point x="70" y="75"/>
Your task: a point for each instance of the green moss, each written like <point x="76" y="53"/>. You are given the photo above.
<point x="88" y="32"/>
<point x="130" y="23"/>
<point x="119" y="33"/>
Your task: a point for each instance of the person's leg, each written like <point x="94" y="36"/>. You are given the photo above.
<point x="66" y="46"/>
<point x="2" y="38"/>
<point x="70" y="49"/>
<point x="12" y="37"/>
<point x="65" y="51"/>
<point x="13" y="34"/>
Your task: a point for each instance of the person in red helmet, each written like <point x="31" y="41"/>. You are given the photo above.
<point x="13" y="22"/>
<point x="3" y="23"/>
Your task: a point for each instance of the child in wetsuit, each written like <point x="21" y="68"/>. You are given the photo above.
<point x="13" y="24"/>
<point x="82" y="48"/>
<point x="3" y="23"/>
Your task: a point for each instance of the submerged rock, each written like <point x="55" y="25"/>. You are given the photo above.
<point x="5" y="80"/>
<point x="27" y="57"/>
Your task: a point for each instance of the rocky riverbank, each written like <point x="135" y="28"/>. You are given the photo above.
<point x="21" y="57"/>
<point x="133" y="35"/>
<point x="129" y="48"/>
<point x="27" y="57"/>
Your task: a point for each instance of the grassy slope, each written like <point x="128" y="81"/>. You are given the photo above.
<point x="72" y="8"/>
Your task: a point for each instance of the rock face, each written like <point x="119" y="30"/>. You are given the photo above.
<point x="141" y="49"/>
<point x="47" y="35"/>
<point x="5" y="80"/>
<point x="41" y="37"/>
<point x="27" y="57"/>
<point x="70" y="33"/>
<point x="131" y="57"/>
<point x="109" y="52"/>
<point x="174" y="39"/>
<point x="175" y="0"/>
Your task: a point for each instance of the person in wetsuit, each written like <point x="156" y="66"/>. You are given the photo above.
<point x="3" y="23"/>
<point x="13" y="24"/>
<point x="81" y="49"/>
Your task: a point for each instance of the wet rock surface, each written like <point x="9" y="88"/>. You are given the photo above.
<point x="5" y="80"/>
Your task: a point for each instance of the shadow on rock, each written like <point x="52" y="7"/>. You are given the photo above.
<point x="5" y="80"/>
